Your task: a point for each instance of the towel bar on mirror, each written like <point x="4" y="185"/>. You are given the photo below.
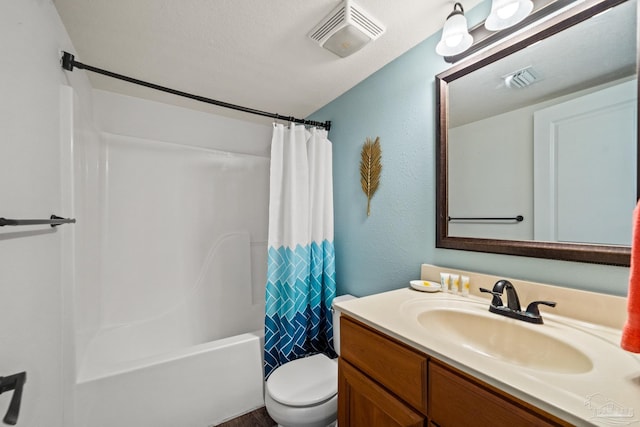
<point x="518" y="218"/>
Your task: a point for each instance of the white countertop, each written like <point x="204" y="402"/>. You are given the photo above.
<point x="607" y="394"/>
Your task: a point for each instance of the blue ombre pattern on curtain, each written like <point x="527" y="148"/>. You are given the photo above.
<point x="301" y="260"/>
<point x="300" y="288"/>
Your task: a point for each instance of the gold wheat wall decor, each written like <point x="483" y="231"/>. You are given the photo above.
<point x="370" y="167"/>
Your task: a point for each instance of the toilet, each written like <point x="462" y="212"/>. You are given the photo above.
<point x="304" y="392"/>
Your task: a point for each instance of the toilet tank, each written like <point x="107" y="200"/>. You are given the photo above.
<point x="336" y="320"/>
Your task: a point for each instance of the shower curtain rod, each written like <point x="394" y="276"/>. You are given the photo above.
<point x="68" y="62"/>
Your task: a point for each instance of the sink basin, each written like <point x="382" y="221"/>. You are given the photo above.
<point x="505" y="339"/>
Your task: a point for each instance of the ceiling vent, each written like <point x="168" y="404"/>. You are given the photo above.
<point x="521" y="78"/>
<point x="347" y="29"/>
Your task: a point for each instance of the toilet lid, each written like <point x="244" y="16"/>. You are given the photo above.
<point x="304" y="381"/>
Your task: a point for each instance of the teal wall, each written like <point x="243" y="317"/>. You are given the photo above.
<point x="384" y="251"/>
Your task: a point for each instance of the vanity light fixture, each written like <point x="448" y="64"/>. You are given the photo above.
<point x="507" y="18"/>
<point x="455" y="34"/>
<point x="506" y="13"/>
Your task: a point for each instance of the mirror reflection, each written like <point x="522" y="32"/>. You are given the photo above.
<point x="548" y="133"/>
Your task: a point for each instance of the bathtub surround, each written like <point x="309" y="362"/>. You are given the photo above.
<point x="301" y="271"/>
<point x="172" y="256"/>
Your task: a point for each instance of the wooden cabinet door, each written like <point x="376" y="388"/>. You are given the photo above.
<point x="456" y="399"/>
<point x="362" y="402"/>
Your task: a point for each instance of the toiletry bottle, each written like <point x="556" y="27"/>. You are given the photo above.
<point x="444" y="281"/>
<point x="455" y="283"/>
<point x="465" y="285"/>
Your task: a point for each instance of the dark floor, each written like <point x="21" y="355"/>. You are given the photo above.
<point x="257" y="418"/>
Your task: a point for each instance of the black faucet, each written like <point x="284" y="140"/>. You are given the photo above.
<point x="513" y="309"/>
<point x="513" y="302"/>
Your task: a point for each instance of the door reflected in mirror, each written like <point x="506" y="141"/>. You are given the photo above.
<point x="544" y="131"/>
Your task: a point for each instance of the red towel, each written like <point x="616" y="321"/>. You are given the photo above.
<point x="631" y="331"/>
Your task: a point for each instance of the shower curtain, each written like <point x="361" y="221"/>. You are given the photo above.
<point x="301" y="269"/>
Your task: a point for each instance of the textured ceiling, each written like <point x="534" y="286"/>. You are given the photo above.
<point x="253" y="53"/>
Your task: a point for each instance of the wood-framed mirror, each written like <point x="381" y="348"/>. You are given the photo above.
<point x="569" y="174"/>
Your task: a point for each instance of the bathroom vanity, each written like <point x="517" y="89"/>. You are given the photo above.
<point x="382" y="382"/>
<point x="415" y="359"/>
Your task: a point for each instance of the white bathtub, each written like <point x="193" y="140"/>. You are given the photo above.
<point x="169" y="294"/>
<point x="194" y="365"/>
<point x="198" y="386"/>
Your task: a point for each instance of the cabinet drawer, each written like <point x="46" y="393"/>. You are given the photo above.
<point x="402" y="370"/>
<point x="458" y="400"/>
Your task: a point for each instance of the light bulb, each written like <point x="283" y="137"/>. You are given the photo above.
<point x="453" y="40"/>
<point x="508" y="11"/>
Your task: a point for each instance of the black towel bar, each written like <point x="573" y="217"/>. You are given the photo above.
<point x="52" y="221"/>
<point x="518" y="218"/>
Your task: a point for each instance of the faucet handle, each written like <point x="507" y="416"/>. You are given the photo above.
<point x="497" y="300"/>
<point x="532" y="308"/>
